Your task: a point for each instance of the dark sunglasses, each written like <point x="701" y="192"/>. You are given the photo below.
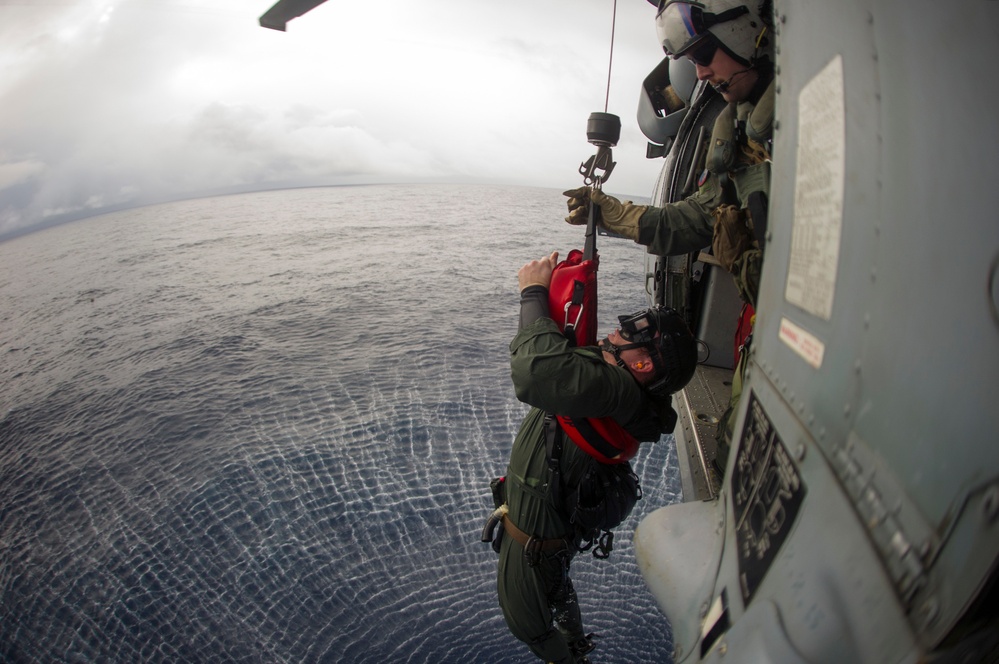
<point x="703" y="53"/>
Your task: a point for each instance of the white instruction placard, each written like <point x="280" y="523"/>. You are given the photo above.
<point x="818" y="198"/>
<point x="804" y="343"/>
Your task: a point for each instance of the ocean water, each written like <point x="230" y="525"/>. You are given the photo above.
<point x="260" y="428"/>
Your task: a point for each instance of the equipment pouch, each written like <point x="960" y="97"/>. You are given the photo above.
<point x="746" y="272"/>
<point x="604" y="498"/>
<point x="732" y="235"/>
<point x="498" y="488"/>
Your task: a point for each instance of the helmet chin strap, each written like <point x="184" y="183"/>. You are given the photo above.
<point x="608" y="347"/>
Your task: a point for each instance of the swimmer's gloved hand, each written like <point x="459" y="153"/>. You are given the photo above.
<point x="617" y="217"/>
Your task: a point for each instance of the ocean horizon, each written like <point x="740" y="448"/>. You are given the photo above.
<point x="261" y="427"/>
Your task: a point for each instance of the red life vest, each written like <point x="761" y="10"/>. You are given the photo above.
<point x="572" y="300"/>
<point x="601" y="437"/>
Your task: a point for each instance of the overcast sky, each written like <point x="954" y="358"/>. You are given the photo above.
<point x="109" y="102"/>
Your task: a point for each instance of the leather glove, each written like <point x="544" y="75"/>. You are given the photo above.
<point x="579" y="206"/>
<point x="616" y="217"/>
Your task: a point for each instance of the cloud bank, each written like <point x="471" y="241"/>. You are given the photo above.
<point x="113" y="103"/>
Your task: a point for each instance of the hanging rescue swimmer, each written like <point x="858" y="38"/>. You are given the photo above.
<point x="549" y="502"/>
<point x="729" y="43"/>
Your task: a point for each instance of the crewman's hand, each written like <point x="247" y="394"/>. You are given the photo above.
<point x="538" y="272"/>
<point x="578" y="204"/>
<point x="615" y="216"/>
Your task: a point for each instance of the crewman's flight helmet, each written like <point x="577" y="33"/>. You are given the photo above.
<point x="671" y="345"/>
<point x="735" y="25"/>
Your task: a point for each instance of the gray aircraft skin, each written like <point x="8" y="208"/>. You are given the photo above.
<point x="857" y="517"/>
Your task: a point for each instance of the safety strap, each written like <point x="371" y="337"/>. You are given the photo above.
<point x="553" y="446"/>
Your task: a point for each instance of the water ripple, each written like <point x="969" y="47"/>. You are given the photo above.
<point x="257" y="429"/>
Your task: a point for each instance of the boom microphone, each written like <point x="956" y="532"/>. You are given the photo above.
<point x="724" y="85"/>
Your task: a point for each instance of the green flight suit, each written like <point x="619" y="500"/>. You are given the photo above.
<point x="688" y="225"/>
<point x="552" y="376"/>
<point x="743" y="162"/>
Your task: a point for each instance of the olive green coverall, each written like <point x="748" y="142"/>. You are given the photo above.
<point x="551" y="376"/>
<point x="688" y="225"/>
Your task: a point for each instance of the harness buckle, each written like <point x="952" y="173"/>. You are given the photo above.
<point x="590" y="169"/>
<point x="532" y="552"/>
<point x="605" y="544"/>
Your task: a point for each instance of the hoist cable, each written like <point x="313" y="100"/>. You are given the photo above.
<point x="610" y="64"/>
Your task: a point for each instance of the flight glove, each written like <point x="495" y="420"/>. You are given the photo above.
<point x="617" y="217"/>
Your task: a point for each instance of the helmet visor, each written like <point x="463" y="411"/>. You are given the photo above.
<point x="679" y="24"/>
